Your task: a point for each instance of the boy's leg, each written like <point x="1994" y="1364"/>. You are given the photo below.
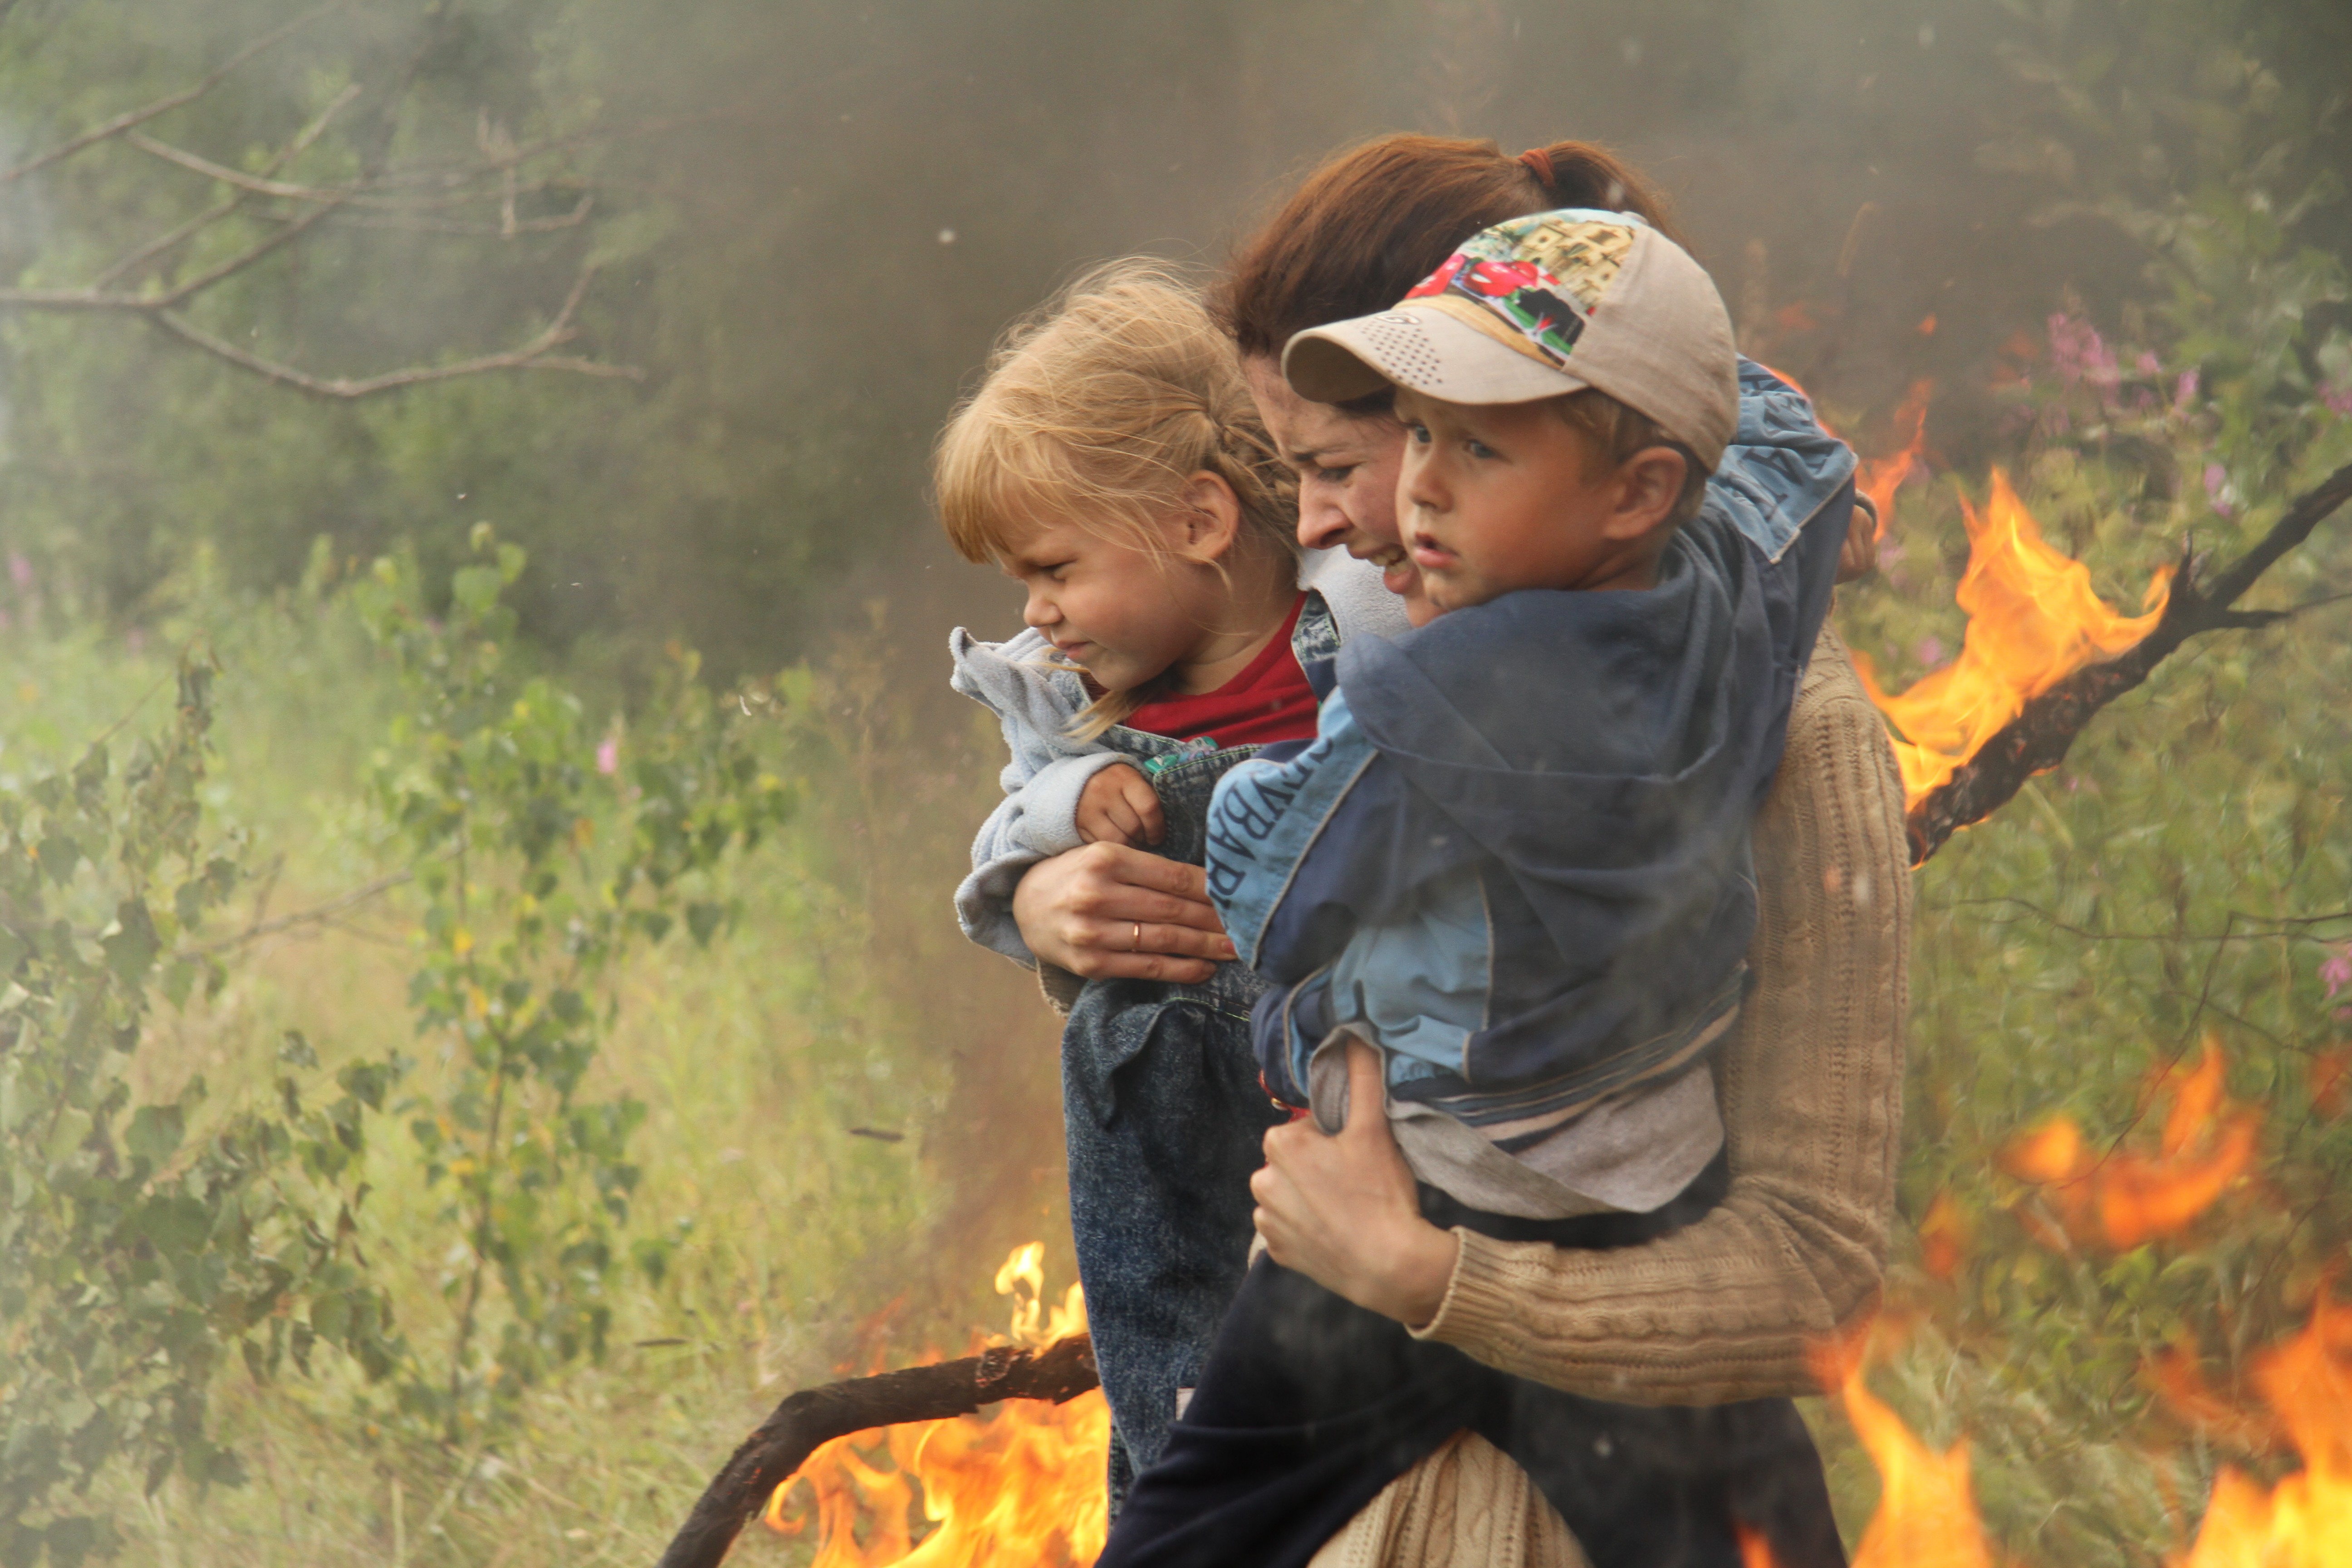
<point x="1308" y="1406"/>
<point x="1165" y="1122"/>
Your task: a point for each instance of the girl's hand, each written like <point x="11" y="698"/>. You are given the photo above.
<point x="1118" y="805"/>
<point x="1343" y="1210"/>
<point x="1109" y="912"/>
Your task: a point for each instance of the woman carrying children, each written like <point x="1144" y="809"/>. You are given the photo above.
<point x="1722" y="1308"/>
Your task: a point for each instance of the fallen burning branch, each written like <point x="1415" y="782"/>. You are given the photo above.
<point x="2037" y="739"/>
<point x="814" y="1417"/>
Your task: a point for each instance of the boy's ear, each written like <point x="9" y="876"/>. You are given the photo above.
<point x="1649" y="483"/>
<point x="1209" y="519"/>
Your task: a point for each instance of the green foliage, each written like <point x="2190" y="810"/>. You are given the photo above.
<point x="2181" y="878"/>
<point x="144" y="1245"/>
<point x="540" y="855"/>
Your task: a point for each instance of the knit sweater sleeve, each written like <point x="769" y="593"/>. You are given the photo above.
<point x="1812" y="1093"/>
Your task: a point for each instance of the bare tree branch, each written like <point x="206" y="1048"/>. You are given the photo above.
<point x="400" y="199"/>
<point x="532" y="355"/>
<point x="124" y="121"/>
<point x="813" y="1416"/>
<point x="212" y="214"/>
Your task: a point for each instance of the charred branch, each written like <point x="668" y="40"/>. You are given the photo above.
<point x="2037" y="739"/>
<point x="814" y="1417"/>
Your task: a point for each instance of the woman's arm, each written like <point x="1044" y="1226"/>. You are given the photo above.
<point x="1811" y="1093"/>
<point x="1812" y="1090"/>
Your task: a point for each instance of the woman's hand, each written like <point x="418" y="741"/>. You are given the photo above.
<point x="1109" y="912"/>
<point x="1343" y="1210"/>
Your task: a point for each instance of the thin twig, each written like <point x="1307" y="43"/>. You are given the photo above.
<point x="124" y="121"/>
<point x="2223" y="936"/>
<point x="318" y="914"/>
<point x="229" y="204"/>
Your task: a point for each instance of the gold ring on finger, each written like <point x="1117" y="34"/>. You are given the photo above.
<point x="1135" y="942"/>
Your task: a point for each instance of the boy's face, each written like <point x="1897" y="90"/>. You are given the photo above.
<point x="1499" y="497"/>
<point x="1110" y="605"/>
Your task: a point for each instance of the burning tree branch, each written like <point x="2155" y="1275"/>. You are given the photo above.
<point x="814" y="1417"/>
<point x="404" y="199"/>
<point x="2037" y="739"/>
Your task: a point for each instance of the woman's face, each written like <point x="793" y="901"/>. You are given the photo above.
<point x="1348" y="469"/>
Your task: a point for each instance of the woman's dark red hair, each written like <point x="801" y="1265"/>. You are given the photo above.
<point x="1378" y="219"/>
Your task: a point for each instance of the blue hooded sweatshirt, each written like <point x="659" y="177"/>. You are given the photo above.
<point x="1516" y="856"/>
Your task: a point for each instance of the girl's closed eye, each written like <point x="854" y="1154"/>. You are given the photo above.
<point x="1334" y="474"/>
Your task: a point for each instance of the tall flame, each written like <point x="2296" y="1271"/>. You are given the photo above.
<point x="1020" y="1490"/>
<point x="1880" y="478"/>
<point x="2033" y="621"/>
<point x="1926" y="1515"/>
<point x="2305" y="1521"/>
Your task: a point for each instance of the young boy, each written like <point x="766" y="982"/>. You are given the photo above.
<point x="1515" y="861"/>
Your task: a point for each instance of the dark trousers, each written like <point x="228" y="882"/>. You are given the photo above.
<point x="1309" y="1405"/>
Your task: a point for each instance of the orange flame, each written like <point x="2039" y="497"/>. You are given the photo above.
<point x="1926" y="1515"/>
<point x="2305" y="1521"/>
<point x="2033" y="621"/>
<point x="1020" y="1489"/>
<point x="2128" y="1198"/>
<point x="1880" y="478"/>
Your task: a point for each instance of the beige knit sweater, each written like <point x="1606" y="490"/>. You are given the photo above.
<point x="1811" y="1093"/>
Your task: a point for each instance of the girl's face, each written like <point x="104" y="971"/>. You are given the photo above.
<point x="1120" y="611"/>
<point x="1348" y="469"/>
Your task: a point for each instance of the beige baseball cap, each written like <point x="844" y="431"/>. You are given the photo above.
<point x="1544" y="305"/>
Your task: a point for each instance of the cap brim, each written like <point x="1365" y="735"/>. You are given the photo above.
<point x="1422" y="344"/>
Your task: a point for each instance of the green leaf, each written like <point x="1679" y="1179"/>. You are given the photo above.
<point x="154" y="1134"/>
<point x="295" y="1050"/>
<point x="703" y="920"/>
<point x="131" y="947"/>
<point x="477" y="588"/>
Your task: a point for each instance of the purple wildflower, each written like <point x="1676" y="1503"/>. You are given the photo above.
<point x="2338" y="396"/>
<point x="2335" y="968"/>
<point x="2149" y="364"/>
<point x="1931" y="651"/>
<point x="2184" y="391"/>
<point x="2218" y="490"/>
<point x="608" y="755"/>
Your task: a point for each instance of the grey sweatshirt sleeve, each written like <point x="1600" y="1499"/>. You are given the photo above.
<point x="1045" y="774"/>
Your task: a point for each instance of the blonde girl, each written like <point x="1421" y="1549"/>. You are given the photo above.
<point x="1113" y="463"/>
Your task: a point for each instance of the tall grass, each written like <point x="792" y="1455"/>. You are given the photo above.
<point x="853" y="1113"/>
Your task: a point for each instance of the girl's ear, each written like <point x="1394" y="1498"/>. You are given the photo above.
<point x="1209" y="518"/>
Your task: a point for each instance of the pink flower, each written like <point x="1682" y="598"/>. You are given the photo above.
<point x="2149" y="363"/>
<point x="2216" y="489"/>
<point x="2335" y="968"/>
<point x="2078" y="353"/>
<point x="20" y="571"/>
<point x="608" y="755"/>
<point x="2338" y="396"/>
<point x="1931" y="651"/>
<point x="2184" y="391"/>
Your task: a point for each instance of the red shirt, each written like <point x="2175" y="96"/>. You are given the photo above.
<point x="1269" y="701"/>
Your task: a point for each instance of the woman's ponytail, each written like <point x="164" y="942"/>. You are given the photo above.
<point x="1581" y="174"/>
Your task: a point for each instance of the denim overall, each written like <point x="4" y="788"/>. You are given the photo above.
<point x="1165" y="1121"/>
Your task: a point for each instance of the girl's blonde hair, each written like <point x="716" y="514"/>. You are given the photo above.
<point x="1096" y="409"/>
